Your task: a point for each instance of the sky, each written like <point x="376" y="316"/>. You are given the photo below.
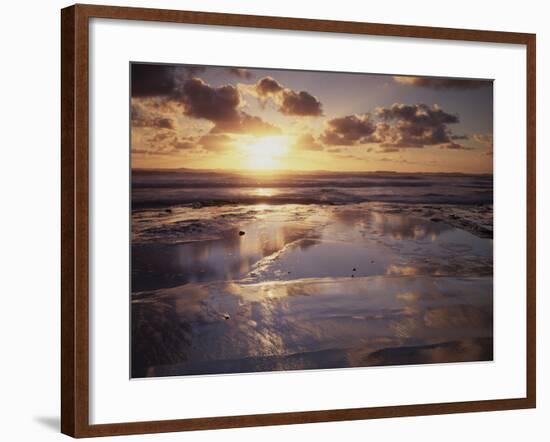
<point x="269" y="120"/>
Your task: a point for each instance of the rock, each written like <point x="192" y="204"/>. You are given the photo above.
<point x="168" y="210"/>
<point x="241" y="233"/>
<point x="226" y="316"/>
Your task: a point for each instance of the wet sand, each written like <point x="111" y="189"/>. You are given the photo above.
<point x="263" y="287"/>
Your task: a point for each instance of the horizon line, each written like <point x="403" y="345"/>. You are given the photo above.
<point x="279" y="171"/>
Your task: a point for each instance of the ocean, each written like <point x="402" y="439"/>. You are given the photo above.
<point x="238" y="272"/>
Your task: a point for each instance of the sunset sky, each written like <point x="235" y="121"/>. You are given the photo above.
<point x="265" y="119"/>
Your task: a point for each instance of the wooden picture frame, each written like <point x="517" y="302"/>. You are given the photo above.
<point x="75" y="219"/>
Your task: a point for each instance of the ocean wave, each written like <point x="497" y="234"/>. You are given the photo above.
<point x="164" y="189"/>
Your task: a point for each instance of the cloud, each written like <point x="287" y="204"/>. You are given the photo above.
<point x="245" y="74"/>
<point x="420" y="114"/>
<point x="268" y="86"/>
<point x="300" y="104"/>
<point x="142" y="118"/>
<point x="388" y="150"/>
<point x="416" y="125"/>
<point x="393" y="128"/>
<point x="348" y="130"/>
<point x="163" y="143"/>
<point x="221" y="105"/>
<point x="246" y="124"/>
<point x="160" y="137"/>
<point x="216" y="142"/>
<point x="307" y="142"/>
<point x="454" y="146"/>
<point x="288" y="101"/>
<point x="160" y="80"/>
<point x="193" y="70"/>
<point x="153" y="80"/>
<point x="200" y="100"/>
<point x="442" y="83"/>
<point x="485" y="139"/>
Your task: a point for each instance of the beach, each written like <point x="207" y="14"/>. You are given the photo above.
<point x="237" y="272"/>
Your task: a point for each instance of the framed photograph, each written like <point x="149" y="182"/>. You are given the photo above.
<point x="275" y="220"/>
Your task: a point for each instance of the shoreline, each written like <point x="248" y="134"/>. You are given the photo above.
<point x="261" y="287"/>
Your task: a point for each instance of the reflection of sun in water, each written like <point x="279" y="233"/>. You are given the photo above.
<point x="261" y="191"/>
<point x="266" y="152"/>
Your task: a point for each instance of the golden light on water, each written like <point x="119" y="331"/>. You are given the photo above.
<point x="261" y="191"/>
<point x="267" y="152"/>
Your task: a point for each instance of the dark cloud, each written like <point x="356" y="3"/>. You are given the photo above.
<point x="160" y="137"/>
<point x="163" y="123"/>
<point x="177" y="144"/>
<point x="200" y="100"/>
<point x="164" y="143"/>
<point x="160" y="80"/>
<point x="153" y="80"/>
<point x="183" y="145"/>
<point x="246" y="123"/>
<point x="307" y="142"/>
<point x="289" y="102"/>
<point x="139" y="151"/>
<point x="348" y="130"/>
<point x="416" y="125"/>
<point x="388" y="150"/>
<point x="245" y="74"/>
<point x="193" y="70"/>
<point x="221" y="105"/>
<point x="215" y="142"/>
<point x="419" y="114"/>
<point x="268" y="86"/>
<point x="443" y="83"/>
<point x="141" y="118"/>
<point x="300" y="104"/>
<point x="395" y="127"/>
<point x="454" y="146"/>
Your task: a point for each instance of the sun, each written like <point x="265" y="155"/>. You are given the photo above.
<point x="267" y="152"/>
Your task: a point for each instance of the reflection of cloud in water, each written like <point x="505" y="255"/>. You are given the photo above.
<point x="475" y="349"/>
<point x="306" y="287"/>
<point x="398" y="226"/>
<point x="232" y="327"/>
<point x="301" y="241"/>
<point x="401" y="270"/>
<point x="408" y="296"/>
